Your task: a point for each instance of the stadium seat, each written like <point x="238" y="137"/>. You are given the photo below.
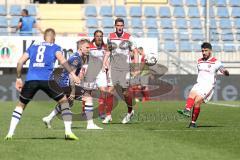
<point x="150" y="11"/>
<point x="220" y="3"/>
<point x="227" y="36"/>
<point x="182" y="35"/>
<point x="211" y="12"/>
<point x="222" y="12"/>
<point x="92" y="22"/>
<point x="152" y="33"/>
<point x="203" y="3"/>
<point x="181" y="23"/>
<point x="165" y="23"/>
<point x="164" y="12"/>
<point x="185" y="46"/>
<point x="191" y="3"/>
<point x="225" y="23"/>
<point x="238" y="36"/>
<point x="3" y="11"/>
<point x="193" y="12"/>
<point x="107" y="22"/>
<point x="230" y="47"/>
<point x="237" y="23"/>
<point x="106" y="11"/>
<point x="15" y="10"/>
<point x="176" y="3"/>
<point x="234" y="3"/>
<point x="197" y="35"/>
<point x="90" y="11"/>
<point x="136" y="23"/>
<point x="195" y="23"/>
<point x="31" y="10"/>
<point x="235" y="12"/>
<point x="170" y="46"/>
<point x="91" y="32"/>
<point x="216" y="47"/>
<point x="137" y="32"/>
<point x="135" y="11"/>
<point x="106" y="31"/>
<point x="3" y="22"/>
<point x="120" y="11"/>
<point x="178" y="12"/>
<point x="213" y="24"/>
<point x="125" y="22"/>
<point x="168" y="34"/>
<point x="14" y="22"/>
<point x="196" y="46"/>
<point x="214" y="35"/>
<point x="3" y="31"/>
<point x="151" y="23"/>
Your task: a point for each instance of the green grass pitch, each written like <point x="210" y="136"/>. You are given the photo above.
<point x="157" y="132"/>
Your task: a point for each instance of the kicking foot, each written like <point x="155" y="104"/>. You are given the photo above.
<point x="47" y="122"/>
<point x="184" y="112"/>
<point x="128" y="117"/>
<point x="107" y="119"/>
<point x="71" y="136"/>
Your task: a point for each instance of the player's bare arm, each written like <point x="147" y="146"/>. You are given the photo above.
<point x="65" y="64"/>
<point x="21" y="62"/>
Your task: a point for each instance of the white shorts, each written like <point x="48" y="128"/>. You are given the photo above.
<point x="101" y="80"/>
<point x="205" y="91"/>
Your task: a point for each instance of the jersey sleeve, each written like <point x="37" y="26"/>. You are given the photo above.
<point x="132" y="42"/>
<point x="219" y="66"/>
<point x="58" y="49"/>
<point x="28" y="51"/>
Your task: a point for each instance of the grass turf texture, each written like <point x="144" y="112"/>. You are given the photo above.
<point x="156" y="132"/>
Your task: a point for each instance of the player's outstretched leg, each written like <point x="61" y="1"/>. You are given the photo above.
<point x="47" y="120"/>
<point x="195" y="114"/>
<point x="109" y="105"/>
<point x="67" y="119"/>
<point x="128" y="99"/>
<point x="16" y="116"/>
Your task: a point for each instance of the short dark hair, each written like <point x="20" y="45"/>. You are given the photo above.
<point x="25" y="11"/>
<point x="119" y="20"/>
<point x="206" y="45"/>
<point x="81" y="42"/>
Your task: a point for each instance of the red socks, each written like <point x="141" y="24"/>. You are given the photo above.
<point x="189" y="103"/>
<point x="109" y="104"/>
<point x="101" y="104"/>
<point x="196" y="111"/>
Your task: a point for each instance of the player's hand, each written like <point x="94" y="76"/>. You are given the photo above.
<point x="19" y="84"/>
<point x="71" y="97"/>
<point x="76" y="79"/>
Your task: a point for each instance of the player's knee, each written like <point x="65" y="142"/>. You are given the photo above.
<point x="63" y="100"/>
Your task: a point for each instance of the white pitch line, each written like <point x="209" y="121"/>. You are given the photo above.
<point x="225" y="104"/>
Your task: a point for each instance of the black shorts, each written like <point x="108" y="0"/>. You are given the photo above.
<point x="79" y="91"/>
<point x="30" y="88"/>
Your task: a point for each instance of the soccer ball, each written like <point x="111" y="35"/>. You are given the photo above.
<point x="151" y="61"/>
